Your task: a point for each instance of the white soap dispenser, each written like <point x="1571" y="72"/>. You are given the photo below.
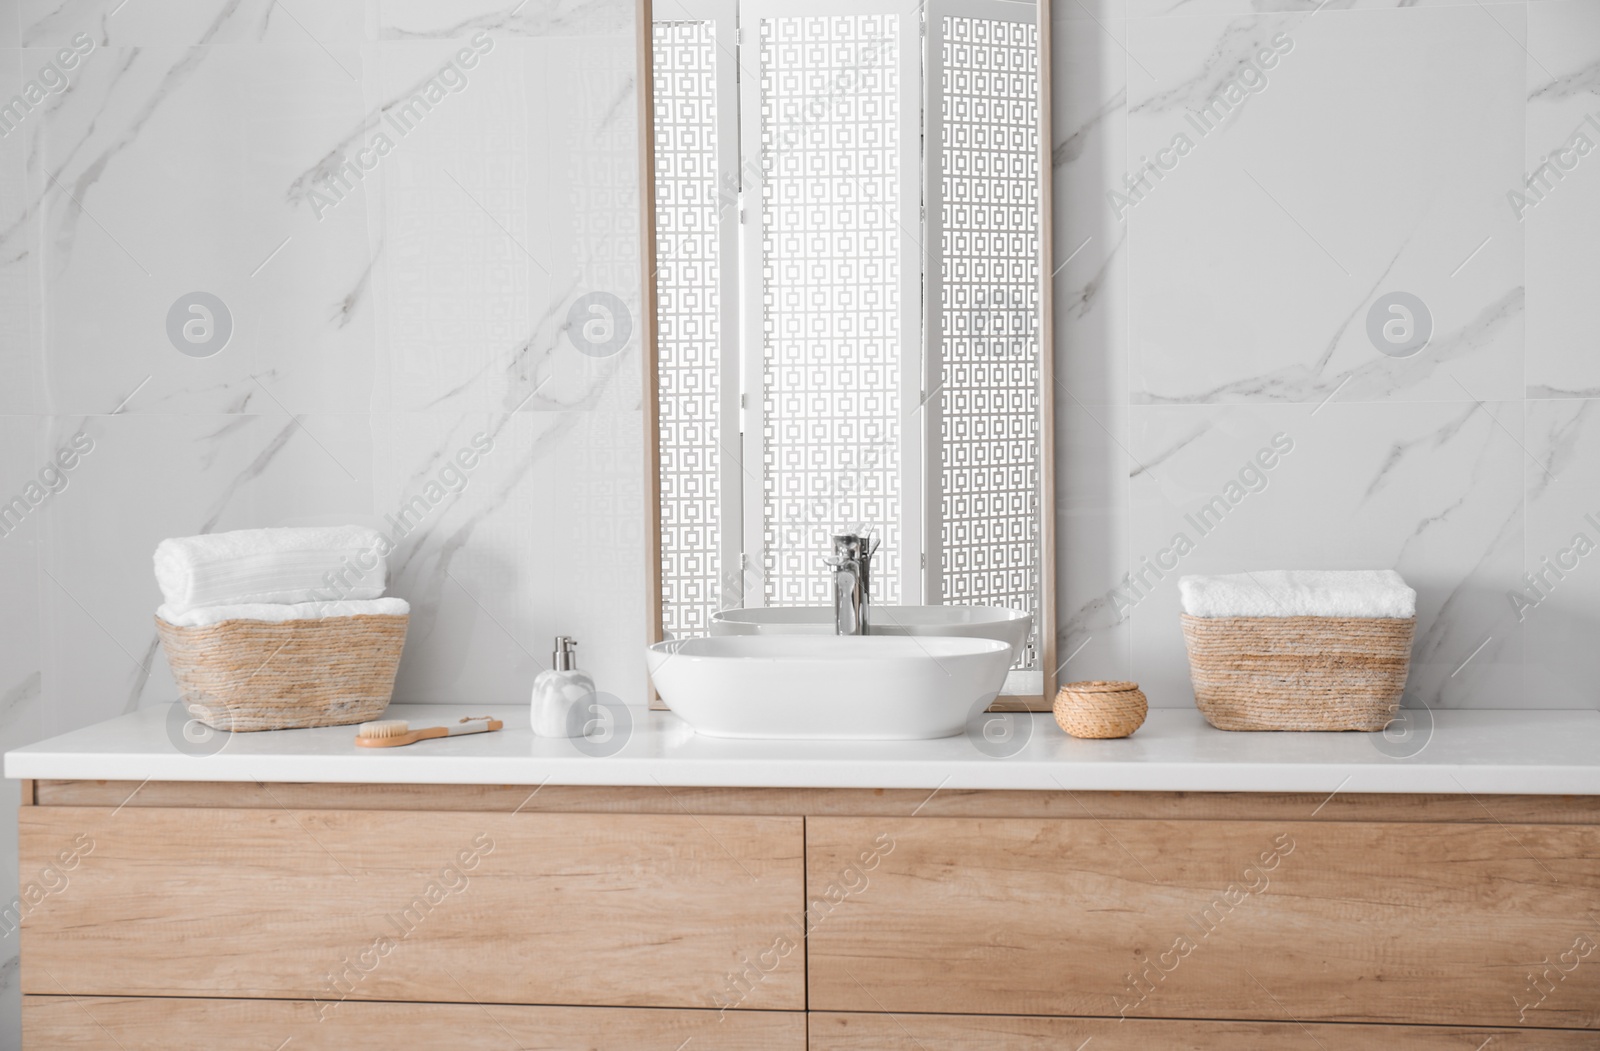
<point x="562" y="695"/>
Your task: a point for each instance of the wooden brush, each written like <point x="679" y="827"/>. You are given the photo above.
<point x="392" y="733"/>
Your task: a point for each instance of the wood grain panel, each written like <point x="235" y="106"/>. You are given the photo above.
<point x="825" y="802"/>
<point x="520" y="908"/>
<point x="59" y="1023"/>
<point x="869" y="1032"/>
<point x="1339" y="922"/>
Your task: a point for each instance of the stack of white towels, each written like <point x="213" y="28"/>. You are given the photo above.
<point x="1300" y="593"/>
<point x="274" y="575"/>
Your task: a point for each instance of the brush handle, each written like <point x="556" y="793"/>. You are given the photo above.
<point x="473" y="726"/>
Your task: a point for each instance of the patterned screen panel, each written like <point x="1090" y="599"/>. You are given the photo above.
<point x="989" y="249"/>
<point x="687" y="323"/>
<point x="831" y="184"/>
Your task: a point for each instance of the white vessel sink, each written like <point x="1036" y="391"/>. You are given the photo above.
<point x="965" y="622"/>
<point x="874" y="687"/>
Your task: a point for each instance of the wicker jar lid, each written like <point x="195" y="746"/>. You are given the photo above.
<point x="1100" y="686"/>
<point x="1100" y="709"/>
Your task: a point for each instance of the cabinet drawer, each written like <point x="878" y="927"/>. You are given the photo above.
<point x="868" y="1032"/>
<point x="60" y="1023"/>
<point x="1414" y="923"/>
<point x="335" y="905"/>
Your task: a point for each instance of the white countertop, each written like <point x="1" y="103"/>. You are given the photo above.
<point x="1503" y="751"/>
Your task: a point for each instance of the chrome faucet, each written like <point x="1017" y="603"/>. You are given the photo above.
<point x="852" y="583"/>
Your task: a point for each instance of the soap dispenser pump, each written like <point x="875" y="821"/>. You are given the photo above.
<point x="562" y="695"/>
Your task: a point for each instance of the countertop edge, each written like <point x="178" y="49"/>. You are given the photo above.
<point x="1461" y="752"/>
<point x="1372" y="779"/>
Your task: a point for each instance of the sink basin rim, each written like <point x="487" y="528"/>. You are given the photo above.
<point x="826" y="648"/>
<point x="828" y="687"/>
<point x="1010" y="625"/>
<point x="890" y="616"/>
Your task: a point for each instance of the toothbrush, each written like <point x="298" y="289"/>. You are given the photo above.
<point x="391" y="733"/>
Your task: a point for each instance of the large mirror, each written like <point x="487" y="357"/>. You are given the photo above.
<point x="850" y="312"/>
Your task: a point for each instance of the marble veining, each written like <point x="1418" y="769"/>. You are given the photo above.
<point x="1376" y="378"/>
<point x="17" y="698"/>
<point x="1399" y="451"/>
<point x="352" y="299"/>
<point x="1541" y="390"/>
<point x="1081" y="302"/>
<point x="1233" y="53"/>
<point x="1150" y="463"/>
<point x="546" y="18"/>
<point x="1580" y="82"/>
<point x="1071" y="147"/>
<point x="91" y="171"/>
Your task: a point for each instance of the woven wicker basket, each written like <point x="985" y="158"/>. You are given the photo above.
<point x="1298" y="673"/>
<point x="1100" y="709"/>
<point x="254" y="675"/>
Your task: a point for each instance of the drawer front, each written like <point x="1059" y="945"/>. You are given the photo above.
<point x="334" y="906"/>
<point x="869" y="1032"/>
<point x="60" y="1023"/>
<point x="1414" y="923"/>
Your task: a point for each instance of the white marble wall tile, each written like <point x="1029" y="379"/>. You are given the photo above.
<point x="1556" y="606"/>
<point x="1093" y="638"/>
<point x="1236" y="8"/>
<point x="1561" y="210"/>
<point x="1433" y="490"/>
<point x="463" y="281"/>
<point x="19" y="250"/>
<point x="322" y="23"/>
<point x="1089" y="115"/>
<point x="595" y="197"/>
<point x="526" y="549"/>
<point x="1112" y="15"/>
<point x="499" y="212"/>
<point x="1088" y="148"/>
<point x="409" y="19"/>
<point x="1371" y="158"/>
<point x="134" y="214"/>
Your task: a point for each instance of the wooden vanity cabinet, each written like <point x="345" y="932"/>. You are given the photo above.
<point x="831" y="1031"/>
<point x="336" y="905"/>
<point x="1429" y="922"/>
<point x="99" y="1023"/>
<point x="477" y="917"/>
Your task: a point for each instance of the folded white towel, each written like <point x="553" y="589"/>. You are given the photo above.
<point x="1299" y="593"/>
<point x="277" y="613"/>
<point x="272" y="565"/>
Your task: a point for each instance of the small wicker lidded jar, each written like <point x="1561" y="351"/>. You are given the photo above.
<point x="1100" y="709"/>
